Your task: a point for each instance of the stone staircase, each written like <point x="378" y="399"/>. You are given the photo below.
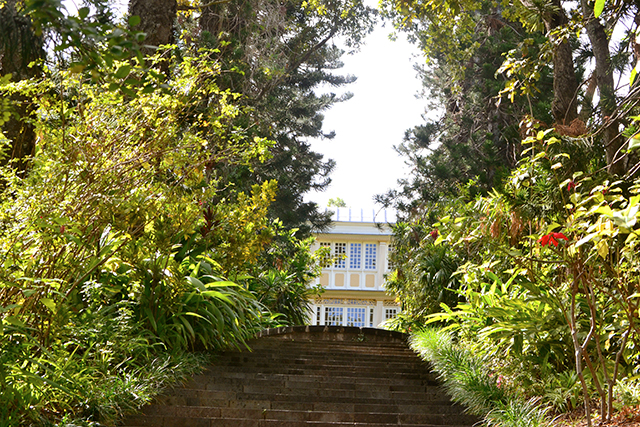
<point x="323" y="376"/>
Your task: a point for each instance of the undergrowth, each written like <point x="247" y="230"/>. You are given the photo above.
<point x="468" y="380"/>
<point x="97" y="370"/>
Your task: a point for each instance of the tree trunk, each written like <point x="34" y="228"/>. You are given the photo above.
<point x="157" y="18"/>
<point x="604" y="77"/>
<point x="19" y="47"/>
<point x="565" y="84"/>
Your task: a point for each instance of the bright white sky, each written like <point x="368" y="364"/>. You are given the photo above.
<point x="367" y="126"/>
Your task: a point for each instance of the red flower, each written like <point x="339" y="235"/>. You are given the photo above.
<point x="434" y="234"/>
<point x="571" y="186"/>
<point x="552" y="238"/>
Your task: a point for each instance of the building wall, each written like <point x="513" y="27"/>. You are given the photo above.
<point x="354" y="284"/>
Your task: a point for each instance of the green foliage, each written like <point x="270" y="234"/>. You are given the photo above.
<point x="476" y="138"/>
<point x="470" y="382"/>
<point x="144" y="228"/>
<point x="283" y="276"/>
<point x="107" y="264"/>
<point x="549" y="264"/>
<point x="100" y="366"/>
<point x="281" y="57"/>
<point x="423" y="273"/>
<point x="189" y="306"/>
<point x="338" y="202"/>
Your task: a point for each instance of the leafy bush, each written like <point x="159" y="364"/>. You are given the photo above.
<point x="283" y="275"/>
<point x="546" y="265"/>
<point x="115" y="247"/>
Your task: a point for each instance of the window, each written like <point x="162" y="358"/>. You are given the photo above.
<point x="390" y="313"/>
<point x="333" y="315"/>
<point x="355" y="316"/>
<point x="370" y="255"/>
<point x="327" y="257"/>
<point x="318" y="315"/>
<point x="371" y="317"/>
<point x="339" y="253"/>
<point x="355" y="256"/>
<point x="389" y="257"/>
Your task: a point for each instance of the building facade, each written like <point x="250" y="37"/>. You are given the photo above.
<point x="359" y="242"/>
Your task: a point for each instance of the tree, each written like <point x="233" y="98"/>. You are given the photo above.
<point x="477" y="138"/>
<point x="21" y="53"/>
<point x="337" y="202"/>
<point x="285" y="53"/>
<point x="157" y="18"/>
<point x="76" y="40"/>
<point x="447" y="31"/>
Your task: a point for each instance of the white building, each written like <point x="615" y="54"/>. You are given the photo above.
<point x="354" y="295"/>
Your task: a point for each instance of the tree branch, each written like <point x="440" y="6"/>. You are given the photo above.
<point x="213" y="3"/>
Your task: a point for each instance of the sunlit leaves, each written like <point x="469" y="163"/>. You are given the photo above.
<point x="598" y="8"/>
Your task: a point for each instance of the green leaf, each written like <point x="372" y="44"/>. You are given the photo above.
<point x="196" y="283"/>
<point x="218" y="295"/>
<point x="134" y="20"/>
<point x="77" y="68"/>
<point x="191" y="313"/>
<point x="83" y="12"/>
<point x="123" y="71"/>
<point x="633" y="144"/>
<point x="222" y="284"/>
<point x="633" y="74"/>
<point x="49" y="303"/>
<point x="13" y="320"/>
<point x="598" y="8"/>
<point x="585" y="239"/>
<point x="105" y="236"/>
<point x="151" y="319"/>
<point x="128" y="92"/>
<point x="188" y="326"/>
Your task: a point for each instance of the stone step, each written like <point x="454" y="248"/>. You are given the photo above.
<point x="205" y="397"/>
<point x="297" y="382"/>
<point x="364" y="351"/>
<point x="327" y="370"/>
<point x="311" y="412"/>
<point x="321" y="354"/>
<point x="326" y="365"/>
<point x="310" y="376"/>
<point x="327" y="362"/>
<point x="221" y="379"/>
<point x="319" y="358"/>
<point x="247" y="422"/>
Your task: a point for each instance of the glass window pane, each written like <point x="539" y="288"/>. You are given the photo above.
<point x="339" y="252"/>
<point x="370" y="255"/>
<point x="355" y="256"/>
<point x="333" y="316"/>
<point x="355" y="316"/>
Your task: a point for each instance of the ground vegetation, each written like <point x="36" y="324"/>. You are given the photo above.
<point x="140" y="192"/>
<point x="531" y="263"/>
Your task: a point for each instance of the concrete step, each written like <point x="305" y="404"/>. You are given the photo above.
<point x="302" y="382"/>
